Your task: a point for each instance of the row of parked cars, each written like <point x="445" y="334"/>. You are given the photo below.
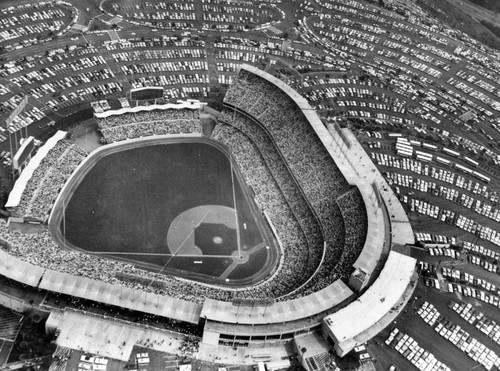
<point x="413" y="352"/>
<point x="458" y="336"/>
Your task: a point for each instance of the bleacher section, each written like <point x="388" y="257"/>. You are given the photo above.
<point x="147" y="123"/>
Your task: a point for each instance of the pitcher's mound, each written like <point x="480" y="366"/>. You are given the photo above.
<point x="204" y="230"/>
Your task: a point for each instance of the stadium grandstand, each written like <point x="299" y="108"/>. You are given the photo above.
<point x="337" y="224"/>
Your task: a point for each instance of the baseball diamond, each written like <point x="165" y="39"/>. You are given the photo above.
<point x="168" y="205"/>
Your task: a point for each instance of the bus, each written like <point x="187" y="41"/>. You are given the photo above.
<point x="404" y="147"/>
<point x="464" y="169"/>
<point x="426" y="154"/>
<point x="432" y="147"/>
<point x="423" y="157"/>
<point x="404" y="152"/>
<point x="482" y="177"/>
<point x="450" y="152"/>
<point x="471" y="161"/>
<point x="442" y="160"/>
<point x="278" y="365"/>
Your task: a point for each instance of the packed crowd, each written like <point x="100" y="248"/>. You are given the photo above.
<point x="296" y="183"/>
<point x="43" y="186"/>
<point x="316" y="173"/>
<point x="41" y="251"/>
<point x="288" y="218"/>
<point x="355" y="225"/>
<point x="298" y="264"/>
<point x="143" y="124"/>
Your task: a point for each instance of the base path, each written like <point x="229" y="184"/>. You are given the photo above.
<point x="181" y="233"/>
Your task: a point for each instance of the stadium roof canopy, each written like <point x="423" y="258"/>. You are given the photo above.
<point x="22" y="181"/>
<point x="85" y="288"/>
<point x="283" y="311"/>
<point x="18" y="270"/>
<point x="106" y="336"/>
<point x="118" y="295"/>
<point x="379" y="299"/>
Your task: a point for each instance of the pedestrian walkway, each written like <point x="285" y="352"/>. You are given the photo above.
<point x="171" y="363"/>
<point x="115" y="339"/>
<point x="242" y="356"/>
<point x="213" y="74"/>
<point x="10" y="324"/>
<point x="113" y="35"/>
<point x="60" y="359"/>
<point x="111" y="338"/>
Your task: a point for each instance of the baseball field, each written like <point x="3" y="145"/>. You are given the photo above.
<point x="171" y="205"/>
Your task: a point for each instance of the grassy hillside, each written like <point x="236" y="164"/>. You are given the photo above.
<point x="493" y="5"/>
<point x="451" y="13"/>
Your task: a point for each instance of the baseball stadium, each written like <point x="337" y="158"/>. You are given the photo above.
<point x="258" y="223"/>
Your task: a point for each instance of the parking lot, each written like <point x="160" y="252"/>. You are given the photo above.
<point x="375" y="71"/>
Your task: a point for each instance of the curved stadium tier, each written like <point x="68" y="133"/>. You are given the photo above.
<point x="262" y="225"/>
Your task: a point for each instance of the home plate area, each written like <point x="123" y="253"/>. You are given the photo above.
<point x="208" y="230"/>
